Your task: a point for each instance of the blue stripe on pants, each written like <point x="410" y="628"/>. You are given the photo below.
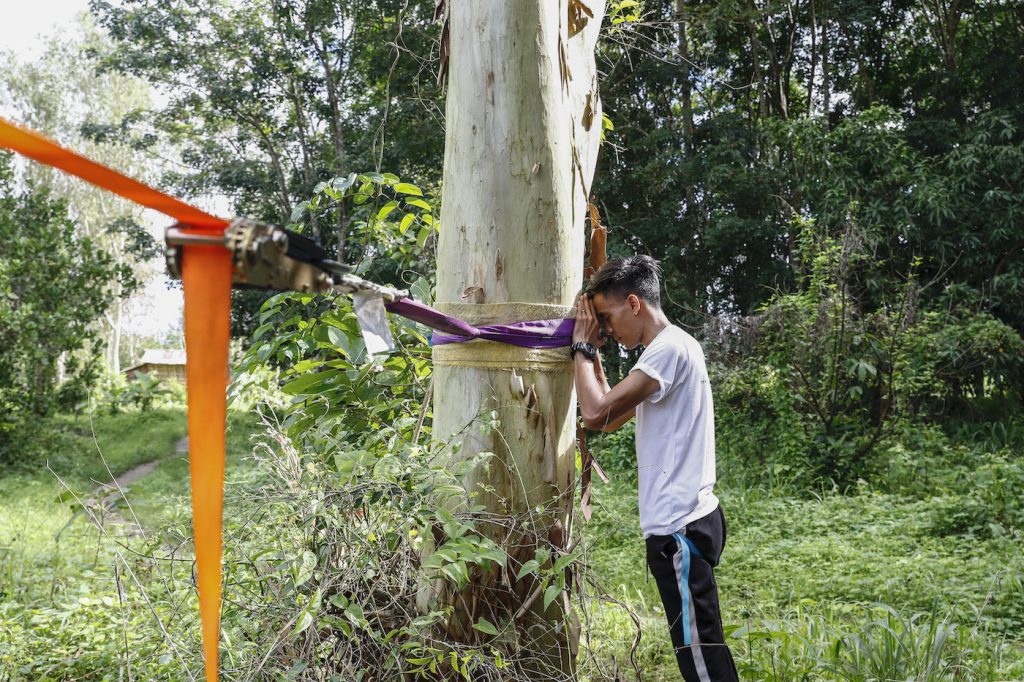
<point x="683" y="571"/>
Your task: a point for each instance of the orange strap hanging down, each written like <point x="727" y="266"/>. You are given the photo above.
<point x="206" y="274"/>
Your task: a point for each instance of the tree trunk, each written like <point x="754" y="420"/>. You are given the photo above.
<point x="814" y="62"/>
<point x="826" y="94"/>
<point x="523" y="125"/>
<point x="755" y="59"/>
<point x="333" y="83"/>
<point x="686" y="89"/>
<point x="114" y="342"/>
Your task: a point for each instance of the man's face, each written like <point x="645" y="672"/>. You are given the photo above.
<point x="618" y="319"/>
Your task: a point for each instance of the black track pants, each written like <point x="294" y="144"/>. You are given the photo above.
<point x="682" y="564"/>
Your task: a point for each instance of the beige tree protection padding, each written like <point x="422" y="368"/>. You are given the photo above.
<point x="523" y="126"/>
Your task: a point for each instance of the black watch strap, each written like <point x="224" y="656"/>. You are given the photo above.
<point x="583" y="347"/>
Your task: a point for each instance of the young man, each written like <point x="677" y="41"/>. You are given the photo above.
<point x="668" y="392"/>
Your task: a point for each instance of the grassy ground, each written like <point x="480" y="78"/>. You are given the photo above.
<point x="864" y="586"/>
<point x="802" y="579"/>
<point x="64" y="593"/>
<point x="39" y="499"/>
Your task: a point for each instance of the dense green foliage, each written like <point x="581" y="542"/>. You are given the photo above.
<point x="270" y="99"/>
<point x="53" y="285"/>
<point x="735" y="121"/>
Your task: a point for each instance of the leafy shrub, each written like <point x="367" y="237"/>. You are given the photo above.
<point x="760" y="433"/>
<point x="955" y="359"/>
<point x="991" y="502"/>
<point x="808" y="392"/>
<point x="144" y="392"/>
<point x="54" y="285"/>
<point x="817" y="387"/>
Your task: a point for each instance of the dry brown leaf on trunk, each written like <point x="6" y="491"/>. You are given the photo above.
<point x="579" y="15"/>
<point x="597" y="253"/>
<point x="442" y="69"/>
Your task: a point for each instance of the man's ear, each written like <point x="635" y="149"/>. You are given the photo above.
<point x="635" y="304"/>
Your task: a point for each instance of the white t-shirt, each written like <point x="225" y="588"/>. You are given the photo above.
<point x="675" y="435"/>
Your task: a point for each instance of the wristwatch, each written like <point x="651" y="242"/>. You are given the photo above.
<point x="586" y="348"/>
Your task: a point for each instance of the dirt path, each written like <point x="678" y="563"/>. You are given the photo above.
<point x="140" y="470"/>
<point x="101" y="506"/>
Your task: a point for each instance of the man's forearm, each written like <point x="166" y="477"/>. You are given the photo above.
<point x="590" y="383"/>
<point x="599" y="371"/>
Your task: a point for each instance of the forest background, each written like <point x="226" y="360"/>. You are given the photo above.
<point x="835" y="190"/>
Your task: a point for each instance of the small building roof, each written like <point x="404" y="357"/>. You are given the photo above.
<point x="162" y="356"/>
<point x="159" y="356"/>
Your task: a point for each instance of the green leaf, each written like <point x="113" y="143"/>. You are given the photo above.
<point x="261" y="330"/>
<point x="298" y="211"/>
<point x="421" y="238"/>
<point x="354" y="612"/>
<point x="485" y="626"/>
<point x="341" y="184"/>
<point x="305" y="570"/>
<point x="386" y="209"/>
<point x="530" y="566"/>
<point x="457" y="573"/>
<point x="406" y="222"/>
<point x="419" y="203"/>
<point x="339" y="339"/>
<point x="305" y="620"/>
<point x="407" y="188"/>
<point x="308" y="384"/>
<point x="564" y="561"/>
<point x="550" y="594"/>
<point x="421" y="291"/>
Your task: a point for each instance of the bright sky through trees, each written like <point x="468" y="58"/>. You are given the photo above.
<point x="25" y="23"/>
<point x="156" y="309"/>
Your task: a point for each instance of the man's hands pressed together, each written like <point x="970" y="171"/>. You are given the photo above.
<point x="588" y="328"/>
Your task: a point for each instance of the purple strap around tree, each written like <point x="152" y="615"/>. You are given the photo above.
<point x="531" y="334"/>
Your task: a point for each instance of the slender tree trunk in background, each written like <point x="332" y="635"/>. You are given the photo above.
<point x="826" y="95"/>
<point x="814" y="61"/>
<point x="755" y="58"/>
<point x="522" y="129"/>
<point x="308" y="174"/>
<point x="686" y="92"/>
<point x="944" y="23"/>
<point x="686" y="238"/>
<point x="333" y="83"/>
<point x="114" y="342"/>
<point x="284" y="198"/>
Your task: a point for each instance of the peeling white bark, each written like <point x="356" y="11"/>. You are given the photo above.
<point x="521" y="145"/>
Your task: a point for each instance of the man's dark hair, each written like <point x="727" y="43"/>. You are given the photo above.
<point x="620" y="277"/>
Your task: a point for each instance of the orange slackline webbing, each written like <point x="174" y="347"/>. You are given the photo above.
<point x="46" y="151"/>
<point x="206" y="275"/>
